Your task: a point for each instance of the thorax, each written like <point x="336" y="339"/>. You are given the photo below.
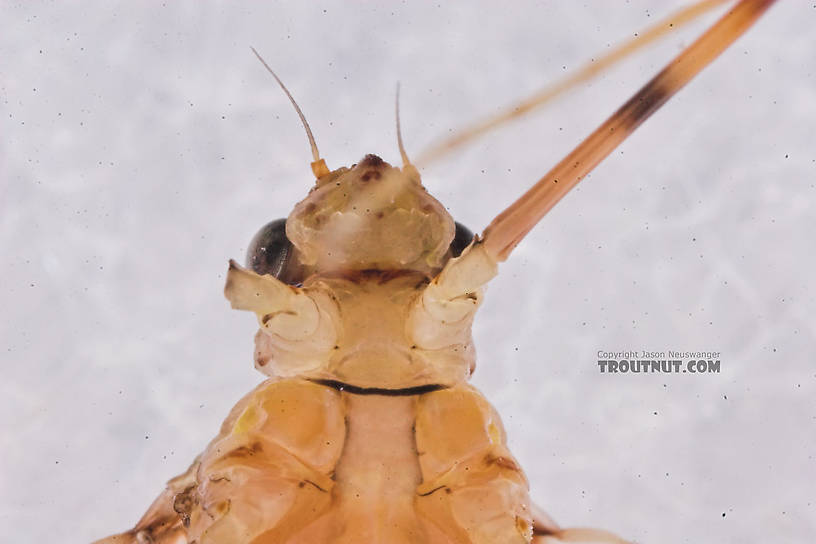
<point x="373" y="326"/>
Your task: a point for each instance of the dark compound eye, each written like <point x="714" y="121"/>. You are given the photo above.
<point x="270" y="250"/>
<point x="461" y="239"/>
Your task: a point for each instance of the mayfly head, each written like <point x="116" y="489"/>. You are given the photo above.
<point x="370" y="216"/>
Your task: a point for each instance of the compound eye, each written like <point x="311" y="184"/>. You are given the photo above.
<point x="461" y="239"/>
<point x="270" y="250"/>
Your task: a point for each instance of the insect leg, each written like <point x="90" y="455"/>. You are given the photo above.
<point x="587" y="72"/>
<point x="509" y="227"/>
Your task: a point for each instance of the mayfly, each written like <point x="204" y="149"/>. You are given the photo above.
<point x="367" y="431"/>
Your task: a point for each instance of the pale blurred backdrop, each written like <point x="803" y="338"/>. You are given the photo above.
<point x="142" y="145"/>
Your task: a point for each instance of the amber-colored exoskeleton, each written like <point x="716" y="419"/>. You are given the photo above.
<point x="366" y="430"/>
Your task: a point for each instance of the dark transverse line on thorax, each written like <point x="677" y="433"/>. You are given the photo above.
<point x="356" y="390"/>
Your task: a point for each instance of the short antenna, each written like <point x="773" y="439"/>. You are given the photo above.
<point x="318" y="165"/>
<point x="406" y="162"/>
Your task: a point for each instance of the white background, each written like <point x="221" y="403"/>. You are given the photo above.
<point x="143" y="145"/>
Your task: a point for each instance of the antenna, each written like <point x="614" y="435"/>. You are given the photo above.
<point x="407" y="167"/>
<point x="318" y="165"/>
<point x="405" y="160"/>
